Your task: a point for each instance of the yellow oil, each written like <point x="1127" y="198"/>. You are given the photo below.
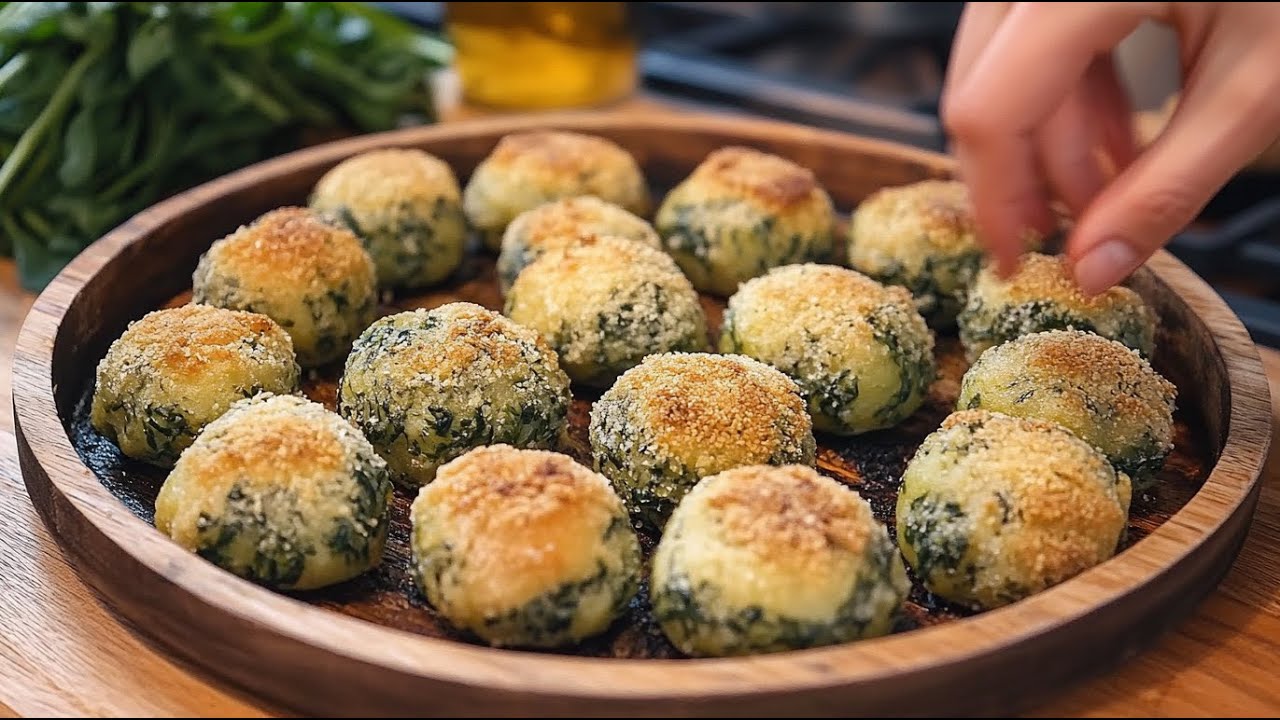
<point x="542" y="55"/>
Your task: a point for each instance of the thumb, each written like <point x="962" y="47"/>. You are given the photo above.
<point x="1162" y="191"/>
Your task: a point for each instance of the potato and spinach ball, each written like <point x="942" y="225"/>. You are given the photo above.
<point x="923" y="237"/>
<point x="175" y="371"/>
<point x="860" y="351"/>
<point x="282" y="492"/>
<point x="292" y="265"/>
<point x="405" y="206"/>
<point x="742" y="212"/>
<point x="1097" y="388"/>
<point x="679" y="417"/>
<point x="425" y="386"/>
<point x="994" y="508"/>
<point x="1042" y="296"/>
<point x="607" y="303"/>
<point x="528" y="169"/>
<point x="561" y="223"/>
<point x="764" y="559"/>
<point x="524" y="548"/>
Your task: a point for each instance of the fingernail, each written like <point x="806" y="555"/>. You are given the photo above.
<point x="1109" y="262"/>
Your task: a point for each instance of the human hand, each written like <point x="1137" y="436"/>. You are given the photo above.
<point x="1036" y="113"/>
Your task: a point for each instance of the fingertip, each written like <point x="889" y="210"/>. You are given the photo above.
<point x="1104" y="265"/>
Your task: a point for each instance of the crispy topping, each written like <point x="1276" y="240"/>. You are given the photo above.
<point x="788" y="513"/>
<point x="576" y="283"/>
<point x="1105" y="392"/>
<point x="1048" y="277"/>
<point x="498" y="489"/>
<point x="774" y="181"/>
<point x="560" y="223"/>
<point x="1002" y="446"/>
<point x="190" y="339"/>
<point x="271" y="439"/>
<point x="716" y="407"/>
<point x="520" y="523"/>
<point x="461" y="336"/>
<point x="822" y="298"/>
<point x="935" y="213"/>
<point x="1105" y="367"/>
<point x="386" y="178"/>
<point x="292" y="245"/>
<point x="558" y="151"/>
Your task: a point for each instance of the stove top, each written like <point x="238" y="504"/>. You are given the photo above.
<point x="805" y="62"/>
<point x="876" y="69"/>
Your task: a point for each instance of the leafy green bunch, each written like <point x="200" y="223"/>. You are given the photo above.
<point x="108" y="107"/>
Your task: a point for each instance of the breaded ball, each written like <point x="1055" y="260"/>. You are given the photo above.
<point x="405" y="206"/>
<point x="426" y="386"/>
<point x="859" y="351"/>
<point x="1097" y="388"/>
<point x="282" y="492"/>
<point x="994" y="508"/>
<point x="529" y="169"/>
<point x="605" y="304"/>
<point x="312" y="277"/>
<point x="1043" y="296"/>
<point x="175" y="371"/>
<point x="741" y="213"/>
<point x="679" y="417"/>
<point x="921" y="236"/>
<point x="560" y="223"/>
<point x="764" y="559"/>
<point x="524" y="548"/>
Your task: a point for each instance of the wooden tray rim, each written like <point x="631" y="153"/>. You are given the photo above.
<point x="1230" y="485"/>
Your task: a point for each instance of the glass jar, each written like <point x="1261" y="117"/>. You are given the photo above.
<point x="542" y="55"/>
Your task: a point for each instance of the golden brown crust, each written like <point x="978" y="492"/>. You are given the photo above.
<point x="275" y="443"/>
<point x="556" y="152"/>
<point x="526" y="521"/>
<point x="495" y="489"/>
<point x="936" y="209"/>
<point x="1097" y="363"/>
<point x="1068" y="490"/>
<point x="820" y="296"/>
<point x="559" y="223"/>
<point x="378" y="180"/>
<point x="1049" y="277"/>
<point x="188" y="340"/>
<point x="282" y="439"/>
<point x="293" y="246"/>
<point x="597" y="261"/>
<point x="694" y="401"/>
<point x="1068" y="511"/>
<point x="472" y="333"/>
<point x="788" y="514"/>
<point x="774" y="182"/>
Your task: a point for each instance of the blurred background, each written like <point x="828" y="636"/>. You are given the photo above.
<point x="871" y="68"/>
<point x="105" y="108"/>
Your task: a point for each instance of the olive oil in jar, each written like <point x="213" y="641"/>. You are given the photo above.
<point x="542" y="55"/>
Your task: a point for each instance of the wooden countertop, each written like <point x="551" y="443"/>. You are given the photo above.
<point x="62" y="652"/>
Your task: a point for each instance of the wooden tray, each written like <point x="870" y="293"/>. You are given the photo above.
<point x="373" y="647"/>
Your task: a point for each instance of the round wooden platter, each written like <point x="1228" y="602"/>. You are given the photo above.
<point x="309" y="657"/>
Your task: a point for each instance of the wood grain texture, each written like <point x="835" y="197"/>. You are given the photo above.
<point x="62" y="653"/>
<point x="830" y="681"/>
<point x="13" y="308"/>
